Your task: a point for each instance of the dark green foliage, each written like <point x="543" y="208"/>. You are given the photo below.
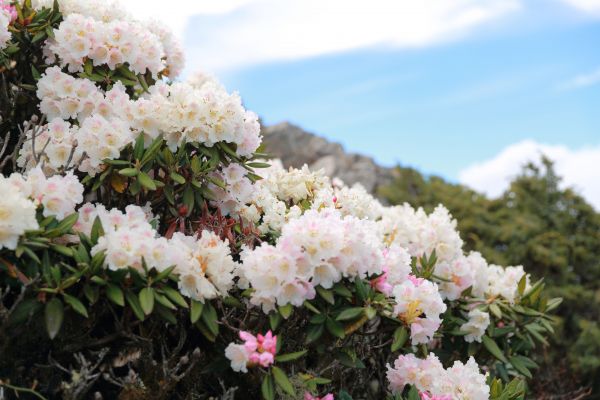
<point x="550" y="230"/>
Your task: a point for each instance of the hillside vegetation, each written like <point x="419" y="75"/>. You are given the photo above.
<point x="553" y="231"/>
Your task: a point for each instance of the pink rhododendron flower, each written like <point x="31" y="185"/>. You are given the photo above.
<point x="256" y="350"/>
<point x="381" y="283"/>
<point x="10" y="9"/>
<point x="427" y="396"/>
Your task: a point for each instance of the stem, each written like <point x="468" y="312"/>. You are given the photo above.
<point x="24" y="390"/>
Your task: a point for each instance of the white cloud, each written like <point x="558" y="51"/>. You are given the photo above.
<point x="177" y="14"/>
<point x="578" y="167"/>
<point x="582" y="80"/>
<point x="273" y="30"/>
<point x="589" y="6"/>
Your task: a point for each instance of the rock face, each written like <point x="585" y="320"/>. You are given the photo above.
<point x="296" y="147"/>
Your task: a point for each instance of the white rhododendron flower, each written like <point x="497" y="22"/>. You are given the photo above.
<point x="419" y="305"/>
<point x="23" y="194"/>
<point x="318" y="248"/>
<point x="460" y="382"/>
<point x="504" y="281"/>
<point x="476" y="325"/>
<point x="17" y="214"/>
<point x="203" y="263"/>
<point x="4" y="22"/>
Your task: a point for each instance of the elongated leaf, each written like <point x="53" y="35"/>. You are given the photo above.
<point x="286" y="310"/>
<point x="400" y="338"/>
<point x="115" y="294"/>
<point x="335" y="328"/>
<point x="493" y="348"/>
<point x="267" y="389"/>
<point x="135" y="305"/>
<point x="174" y="296"/>
<point x="210" y="318"/>
<point x="290" y="356"/>
<point x="76" y="304"/>
<point x="327" y="295"/>
<point x="146" y="181"/>
<point x="313" y="333"/>
<point x="350" y="313"/>
<point x="520" y="366"/>
<point x="275" y="320"/>
<point x="53" y="316"/>
<point x="196" y="311"/>
<point x="282" y="381"/>
<point x="147" y="300"/>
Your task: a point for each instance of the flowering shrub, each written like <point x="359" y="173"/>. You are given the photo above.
<point x="142" y="236"/>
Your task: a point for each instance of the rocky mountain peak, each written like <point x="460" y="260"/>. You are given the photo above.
<point x="296" y="147"/>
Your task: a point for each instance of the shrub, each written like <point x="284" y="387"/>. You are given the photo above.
<point x="148" y="250"/>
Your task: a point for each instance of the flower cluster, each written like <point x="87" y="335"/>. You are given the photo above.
<point x="8" y="14"/>
<point x="504" y="281"/>
<point x="107" y="122"/>
<point x="208" y="115"/>
<point x="110" y="18"/>
<point x="118" y="42"/>
<point x="476" y="325"/>
<point x="256" y="350"/>
<point x="419" y="305"/>
<point x="17" y="215"/>
<point x="459" y="382"/>
<point x="21" y="196"/>
<point x="318" y="248"/>
<point x="203" y="263"/>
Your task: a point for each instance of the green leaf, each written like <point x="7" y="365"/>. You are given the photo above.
<point x="291" y="356"/>
<point x="53" y="316"/>
<point x="493" y="348"/>
<point x="177" y="178"/>
<point x="313" y="333"/>
<point x="164" y="301"/>
<point x="147" y="300"/>
<point x="210" y="318"/>
<point x="196" y="311"/>
<point x="135" y="305"/>
<point x="129" y="172"/>
<point x="275" y="319"/>
<point x="520" y="367"/>
<point x="350" y="313"/>
<point x="335" y="328"/>
<point x="97" y="230"/>
<point x="327" y="295"/>
<point x="138" y="148"/>
<point x="92" y="293"/>
<point x="312" y="308"/>
<point x="361" y="290"/>
<point x="282" y="381"/>
<point x="400" y="338"/>
<point x="175" y="296"/>
<point x="165" y="314"/>
<point x="76" y="304"/>
<point x="115" y="294"/>
<point x="286" y="310"/>
<point x="146" y="181"/>
<point x="267" y="389"/>
<point x="496" y="310"/>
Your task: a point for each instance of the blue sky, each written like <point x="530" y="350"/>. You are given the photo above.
<point x="412" y="106"/>
<point x="465" y="89"/>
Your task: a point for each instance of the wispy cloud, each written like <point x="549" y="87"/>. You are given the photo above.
<point x="177" y="15"/>
<point x="581" y="81"/>
<point x="274" y="30"/>
<point x="589" y="6"/>
<point x="578" y="167"/>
